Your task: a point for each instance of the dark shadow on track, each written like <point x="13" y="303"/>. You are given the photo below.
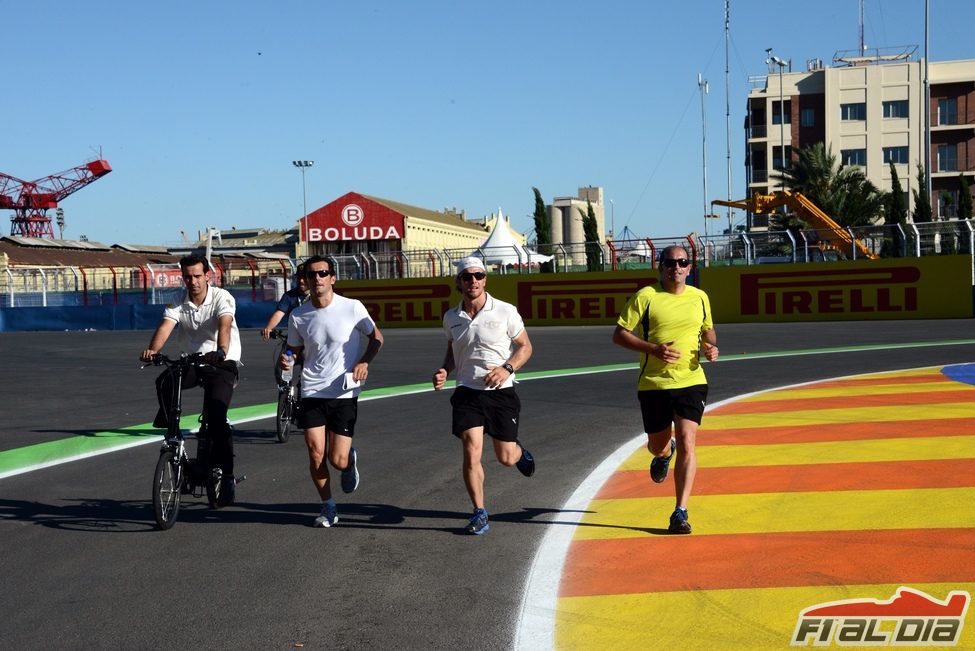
<point x="134" y="516"/>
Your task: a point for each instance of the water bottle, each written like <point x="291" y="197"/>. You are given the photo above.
<point x="288" y="373"/>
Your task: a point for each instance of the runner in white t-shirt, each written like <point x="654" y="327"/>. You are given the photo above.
<point x="336" y="339"/>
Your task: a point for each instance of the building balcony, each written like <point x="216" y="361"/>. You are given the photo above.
<point x="953" y="127"/>
<point x="950" y="170"/>
<point x="756" y="132"/>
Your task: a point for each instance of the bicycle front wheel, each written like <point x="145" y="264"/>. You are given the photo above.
<point x="166" y="484"/>
<point x="285" y="415"/>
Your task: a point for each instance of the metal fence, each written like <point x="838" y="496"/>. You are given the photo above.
<point x="819" y="245"/>
<point x="37" y="286"/>
<point x="260" y="280"/>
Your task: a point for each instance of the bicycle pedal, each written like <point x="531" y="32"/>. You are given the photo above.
<point x="240" y="479"/>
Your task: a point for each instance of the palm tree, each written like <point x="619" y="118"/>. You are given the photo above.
<point x="842" y="192"/>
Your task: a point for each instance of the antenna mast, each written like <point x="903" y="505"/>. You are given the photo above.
<point x="702" y="84"/>
<point x="727" y="104"/>
<point x="863" y="46"/>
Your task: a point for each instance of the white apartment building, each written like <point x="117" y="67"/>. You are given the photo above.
<point x="868" y="109"/>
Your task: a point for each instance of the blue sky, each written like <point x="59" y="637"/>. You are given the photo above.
<point x="200" y="106"/>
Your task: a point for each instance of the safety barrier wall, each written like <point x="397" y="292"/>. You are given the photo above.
<point x="906" y="288"/>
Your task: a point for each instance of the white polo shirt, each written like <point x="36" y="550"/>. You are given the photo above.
<point x="484" y="342"/>
<point x="199" y="324"/>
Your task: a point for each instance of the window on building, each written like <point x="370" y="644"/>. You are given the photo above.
<point x="948" y="111"/>
<point x="856" y="111"/>
<point x="947" y="158"/>
<point x="807" y="117"/>
<point x="895" y="109"/>
<point x="777" y="114"/>
<point x="948" y="204"/>
<point x="896" y="155"/>
<point x="853" y="156"/>
<point x="777" y="157"/>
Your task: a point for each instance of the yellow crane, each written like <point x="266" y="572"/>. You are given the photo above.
<point x="762" y="204"/>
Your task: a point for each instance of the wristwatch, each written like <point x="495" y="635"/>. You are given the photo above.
<point x="508" y="367"/>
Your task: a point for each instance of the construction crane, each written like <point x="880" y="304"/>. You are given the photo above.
<point x="30" y="200"/>
<point x="762" y="204"/>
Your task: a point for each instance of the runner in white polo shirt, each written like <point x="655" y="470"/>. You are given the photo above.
<point x="486" y="343"/>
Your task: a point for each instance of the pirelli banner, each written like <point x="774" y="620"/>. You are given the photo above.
<point x="934" y="287"/>
<point x="915" y="288"/>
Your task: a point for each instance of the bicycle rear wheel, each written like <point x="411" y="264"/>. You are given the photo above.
<point x="166" y="484"/>
<point x="285" y="414"/>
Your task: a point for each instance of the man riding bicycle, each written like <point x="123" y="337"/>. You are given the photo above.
<point x="206" y="325"/>
<point x="293" y="298"/>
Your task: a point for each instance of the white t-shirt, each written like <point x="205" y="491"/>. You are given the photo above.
<point x="199" y="324"/>
<point x="334" y="339"/>
<point x="481" y="343"/>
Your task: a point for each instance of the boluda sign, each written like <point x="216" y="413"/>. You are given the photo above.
<point x="352" y="218"/>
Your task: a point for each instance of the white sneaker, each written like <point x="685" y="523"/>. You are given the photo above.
<point x="328" y="516"/>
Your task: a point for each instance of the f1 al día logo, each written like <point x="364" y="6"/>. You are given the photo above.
<point x="909" y="618"/>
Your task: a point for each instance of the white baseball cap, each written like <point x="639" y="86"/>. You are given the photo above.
<point x="471" y="262"/>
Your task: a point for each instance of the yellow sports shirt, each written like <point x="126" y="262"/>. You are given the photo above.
<point x="661" y="318"/>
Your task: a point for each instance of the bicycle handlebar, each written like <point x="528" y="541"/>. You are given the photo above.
<point x="184" y="359"/>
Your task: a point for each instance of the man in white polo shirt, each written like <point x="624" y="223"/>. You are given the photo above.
<point x="486" y="343"/>
<point x="207" y="325"/>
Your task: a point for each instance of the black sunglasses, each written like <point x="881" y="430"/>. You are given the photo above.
<point x="321" y="273"/>
<point x="670" y="263"/>
<point x="477" y="275"/>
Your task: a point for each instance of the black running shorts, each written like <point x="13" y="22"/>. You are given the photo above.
<point x="660" y="406"/>
<point x="497" y="411"/>
<point x="338" y="415"/>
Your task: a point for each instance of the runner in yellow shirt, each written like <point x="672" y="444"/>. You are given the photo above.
<point x="674" y="326"/>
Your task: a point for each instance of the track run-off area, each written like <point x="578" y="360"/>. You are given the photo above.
<point x="845" y="489"/>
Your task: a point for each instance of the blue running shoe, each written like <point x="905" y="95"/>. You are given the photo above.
<point x="660" y="465"/>
<point x="526" y="464"/>
<point x="678" y="521"/>
<point x="478" y="523"/>
<point x="328" y="516"/>
<point x="350" y="476"/>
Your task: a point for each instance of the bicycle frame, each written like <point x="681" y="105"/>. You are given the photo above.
<point x="176" y="473"/>
<point x="288" y="394"/>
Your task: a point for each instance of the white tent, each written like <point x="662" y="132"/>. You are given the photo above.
<point x="641" y="250"/>
<point x="500" y="247"/>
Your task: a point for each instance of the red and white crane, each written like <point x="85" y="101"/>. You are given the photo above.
<point x="30" y="200"/>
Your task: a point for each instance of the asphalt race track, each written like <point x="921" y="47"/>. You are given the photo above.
<point x="84" y="567"/>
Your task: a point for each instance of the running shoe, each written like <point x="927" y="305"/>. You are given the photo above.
<point x="478" y="523"/>
<point x="350" y="476"/>
<point x="678" y="521"/>
<point x="526" y="464"/>
<point x="328" y="516"/>
<point x="660" y="465"/>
